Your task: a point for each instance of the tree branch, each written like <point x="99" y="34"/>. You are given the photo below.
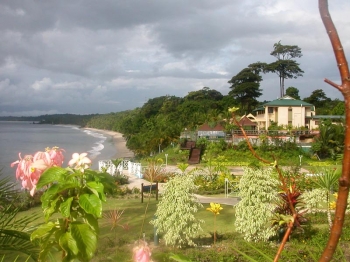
<point x="344" y="88"/>
<point x="339" y="87"/>
<point x="284" y="188"/>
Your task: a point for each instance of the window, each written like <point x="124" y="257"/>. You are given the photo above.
<point x="270" y="110"/>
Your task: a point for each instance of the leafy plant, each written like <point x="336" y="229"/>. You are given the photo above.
<point x="327" y="179"/>
<point x="175" y="218"/>
<point x="283" y="208"/>
<point x="258" y="192"/>
<point x="14" y="232"/>
<point x="76" y="194"/>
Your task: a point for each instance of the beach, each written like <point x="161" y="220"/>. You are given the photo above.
<point x="119" y="143"/>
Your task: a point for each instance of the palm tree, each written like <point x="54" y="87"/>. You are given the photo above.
<point x="327" y="180"/>
<point x="330" y="139"/>
<point x="14" y="232"/>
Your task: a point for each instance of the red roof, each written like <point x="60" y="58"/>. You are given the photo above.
<point x="206" y="127"/>
<point x="245" y="121"/>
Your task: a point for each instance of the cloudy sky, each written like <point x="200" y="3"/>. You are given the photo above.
<point x="88" y="56"/>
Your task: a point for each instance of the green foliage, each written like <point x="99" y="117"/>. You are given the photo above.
<point x="245" y="88"/>
<point x="175" y="219"/>
<point x="291" y="194"/>
<point x="202" y="142"/>
<point x="214" y="184"/>
<point x="285" y="67"/>
<point x="77" y="196"/>
<point x="258" y="192"/>
<point x="121" y="179"/>
<point x="339" y="108"/>
<point x="14" y="231"/>
<point x="327" y="180"/>
<point x="330" y="140"/>
<point x="314" y="199"/>
<point x="317" y="98"/>
<point x="293" y="92"/>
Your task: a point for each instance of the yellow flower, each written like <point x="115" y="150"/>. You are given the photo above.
<point x="335" y="195"/>
<point x="233" y="109"/>
<point x="215" y="208"/>
<point x="332" y="205"/>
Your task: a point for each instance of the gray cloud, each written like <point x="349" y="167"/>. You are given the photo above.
<point x="97" y="57"/>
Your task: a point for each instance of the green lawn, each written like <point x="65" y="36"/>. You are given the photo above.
<point x="116" y="244"/>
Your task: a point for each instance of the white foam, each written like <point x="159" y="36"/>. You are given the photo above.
<point x="96" y="150"/>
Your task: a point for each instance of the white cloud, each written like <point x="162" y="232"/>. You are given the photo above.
<point x="45" y="83"/>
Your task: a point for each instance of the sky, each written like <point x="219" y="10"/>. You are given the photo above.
<point x="87" y="56"/>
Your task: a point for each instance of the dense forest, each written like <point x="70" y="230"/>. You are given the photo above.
<point x="56" y="119"/>
<point x="160" y="121"/>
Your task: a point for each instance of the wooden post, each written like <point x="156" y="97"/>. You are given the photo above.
<point x="149" y="189"/>
<point x="142" y="193"/>
<point x="157" y="190"/>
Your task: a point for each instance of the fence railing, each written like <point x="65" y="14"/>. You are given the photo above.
<point x="231" y="187"/>
<point x="132" y="168"/>
<point x="274" y="132"/>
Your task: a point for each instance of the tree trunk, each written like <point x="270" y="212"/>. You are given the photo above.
<point x="344" y="88"/>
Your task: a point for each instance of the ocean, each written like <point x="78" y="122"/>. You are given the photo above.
<point x="28" y="138"/>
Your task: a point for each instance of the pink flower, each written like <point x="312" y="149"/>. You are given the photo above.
<point x="42" y="160"/>
<point x="142" y="253"/>
<point x="80" y="161"/>
<point x="26" y="172"/>
<point x="56" y="155"/>
<point x="30" y="168"/>
<point x="24" y="166"/>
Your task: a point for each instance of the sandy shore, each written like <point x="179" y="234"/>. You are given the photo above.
<point x="119" y="142"/>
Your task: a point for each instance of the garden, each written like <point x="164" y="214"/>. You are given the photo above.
<point x="79" y="214"/>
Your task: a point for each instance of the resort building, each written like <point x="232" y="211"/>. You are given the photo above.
<point x="209" y="132"/>
<point x="285" y="111"/>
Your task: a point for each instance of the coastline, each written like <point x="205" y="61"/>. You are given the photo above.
<point x="119" y="143"/>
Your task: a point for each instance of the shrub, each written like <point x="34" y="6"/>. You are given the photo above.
<point x="175" y="218"/>
<point x="254" y="212"/>
<point x="121" y="179"/>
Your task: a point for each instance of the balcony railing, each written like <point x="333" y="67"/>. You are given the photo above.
<point x="273" y="132"/>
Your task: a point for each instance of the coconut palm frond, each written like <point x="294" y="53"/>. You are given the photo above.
<point x="8" y="191"/>
<point x="13" y="241"/>
<point x="15" y="230"/>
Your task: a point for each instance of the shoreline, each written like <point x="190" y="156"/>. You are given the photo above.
<point x="118" y="141"/>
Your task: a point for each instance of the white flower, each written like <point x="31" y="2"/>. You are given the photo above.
<point x="80" y="161"/>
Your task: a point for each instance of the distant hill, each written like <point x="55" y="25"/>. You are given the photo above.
<point x="63" y="119"/>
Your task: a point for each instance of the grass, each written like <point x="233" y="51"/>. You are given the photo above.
<point x="110" y="242"/>
<point x="116" y="244"/>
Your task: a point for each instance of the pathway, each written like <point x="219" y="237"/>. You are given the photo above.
<point x="135" y="182"/>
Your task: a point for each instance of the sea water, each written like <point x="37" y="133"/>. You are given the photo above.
<point x="28" y="138"/>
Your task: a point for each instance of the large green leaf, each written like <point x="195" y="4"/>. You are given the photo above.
<point x="98" y="189"/>
<point x="51" y="175"/>
<point x="68" y="244"/>
<point x="93" y="222"/>
<point x="85" y="238"/>
<point x="66" y="206"/>
<point x="49" y="195"/>
<point x="52" y="207"/>
<point x="55" y="191"/>
<point x="91" y="204"/>
<point x="42" y="231"/>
